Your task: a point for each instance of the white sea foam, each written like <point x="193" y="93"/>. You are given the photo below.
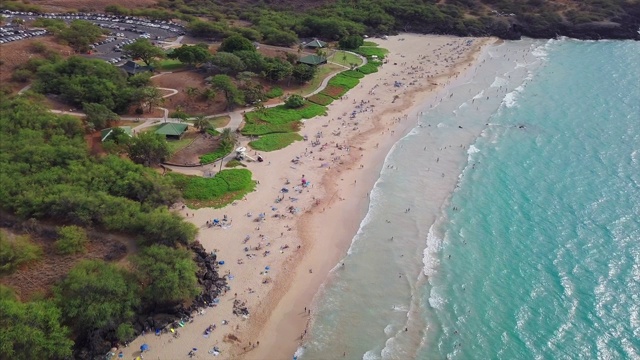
<point x="429" y="254"/>
<point x="498" y="81"/>
<point x="371" y="355"/>
<point x="472" y="150"/>
<point x="436" y="301"/>
<point x="479" y="95"/>
<point x="299" y="352"/>
<point x="388" y="330"/>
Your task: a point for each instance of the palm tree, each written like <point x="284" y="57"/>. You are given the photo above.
<point x="201" y="123"/>
<point x="191" y="93"/>
<point x="227" y="137"/>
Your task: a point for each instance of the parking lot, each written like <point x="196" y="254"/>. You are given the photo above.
<point x="123" y="30"/>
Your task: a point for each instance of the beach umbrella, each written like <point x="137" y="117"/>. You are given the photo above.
<point x="144" y="347"/>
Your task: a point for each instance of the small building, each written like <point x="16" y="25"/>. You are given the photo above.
<point x="316" y="44"/>
<point x="106" y="134"/>
<point x="313" y="60"/>
<point x="133" y="68"/>
<point x="172" y="130"/>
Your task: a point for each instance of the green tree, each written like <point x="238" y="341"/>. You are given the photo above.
<point x="191" y="93"/>
<point x="277" y="69"/>
<point x="16" y="251"/>
<point x="231" y="93"/>
<point x="96" y="294"/>
<point x="351" y="42"/>
<point x="144" y="50"/>
<point x="227" y="138"/>
<point x="149" y="96"/>
<point x="168" y="275"/>
<point x="201" y="123"/>
<point x="32" y="331"/>
<point x="140" y="80"/>
<point x="71" y="239"/>
<point x="99" y="116"/>
<point x="80" y="34"/>
<point x="236" y="43"/>
<point x="253" y="60"/>
<point x="148" y="148"/>
<point x="303" y="73"/>
<point x="191" y="55"/>
<point x="294" y="101"/>
<point x="227" y="63"/>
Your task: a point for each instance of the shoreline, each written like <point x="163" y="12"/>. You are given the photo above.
<point x="278" y="287"/>
<point x="304" y="291"/>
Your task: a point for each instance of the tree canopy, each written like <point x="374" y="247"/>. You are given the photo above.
<point x="144" y="50"/>
<point x="167" y="275"/>
<point x="236" y="43"/>
<point x="32" y="331"/>
<point x="96" y="294"/>
<point x="148" y="148"/>
<point x="78" y="81"/>
<point x="80" y="34"/>
<point x="229" y="89"/>
<point x="191" y="54"/>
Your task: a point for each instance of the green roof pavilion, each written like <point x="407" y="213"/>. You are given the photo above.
<point x="172" y="130"/>
<point x="316" y="44"/>
<point x="313" y="60"/>
<point x="105" y="134"/>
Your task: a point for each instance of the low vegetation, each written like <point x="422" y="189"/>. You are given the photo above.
<point x="48" y="174"/>
<point x="279" y="119"/>
<point x="272" y="142"/>
<point x="320" y="99"/>
<point x="71" y="240"/>
<point x="16" y="251"/>
<point x="222" y="189"/>
<point x="370" y="51"/>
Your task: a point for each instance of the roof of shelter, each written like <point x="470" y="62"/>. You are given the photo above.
<point x="316" y="44"/>
<point x="313" y="59"/>
<point x="172" y="129"/>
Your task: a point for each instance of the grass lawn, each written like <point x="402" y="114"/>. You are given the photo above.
<point x="320" y="99"/>
<point x="323" y="72"/>
<point x="344" y="58"/>
<point x="369" y="43"/>
<point x="170" y="64"/>
<point x="344" y="81"/>
<point x="272" y="142"/>
<point x="279" y="119"/>
<point x="217" y="154"/>
<point x="370" y="51"/>
<point x="218" y="191"/>
<point x="176" y="145"/>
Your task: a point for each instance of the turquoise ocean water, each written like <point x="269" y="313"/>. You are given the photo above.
<point x="536" y="254"/>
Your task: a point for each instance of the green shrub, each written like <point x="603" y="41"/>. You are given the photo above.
<point x="320" y="99"/>
<point x="226" y="186"/>
<point x="369" y="68"/>
<point x="72" y="240"/>
<point x="369" y="43"/>
<point x="279" y="119"/>
<point x="353" y="74"/>
<point x="274" y="92"/>
<point x="125" y="332"/>
<point x="370" y="51"/>
<point x="219" y="153"/>
<point x="294" y="101"/>
<point x="17" y="251"/>
<point x="344" y="81"/>
<point x="333" y="91"/>
<point x="272" y="142"/>
<point x="234" y="163"/>
<point x="21" y="75"/>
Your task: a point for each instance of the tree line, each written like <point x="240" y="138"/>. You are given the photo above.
<point x="48" y="174"/>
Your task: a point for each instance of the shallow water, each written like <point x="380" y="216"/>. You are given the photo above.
<point x="540" y="258"/>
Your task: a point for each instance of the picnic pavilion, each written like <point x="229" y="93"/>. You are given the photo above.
<point x="172" y="130"/>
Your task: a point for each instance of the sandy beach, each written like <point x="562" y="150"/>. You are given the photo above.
<point x="282" y="240"/>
